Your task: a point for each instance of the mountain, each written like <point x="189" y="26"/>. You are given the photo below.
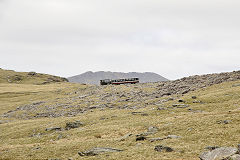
<point x="95" y="77"/>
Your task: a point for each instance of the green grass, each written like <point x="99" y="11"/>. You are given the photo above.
<point x="198" y="130"/>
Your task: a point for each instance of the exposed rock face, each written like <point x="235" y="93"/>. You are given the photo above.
<point x="95" y="77"/>
<point x="96" y="151"/>
<point x="219" y="153"/>
<point x="184" y="85"/>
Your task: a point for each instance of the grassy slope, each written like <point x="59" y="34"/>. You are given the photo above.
<point x="198" y="130"/>
<point x="10" y="76"/>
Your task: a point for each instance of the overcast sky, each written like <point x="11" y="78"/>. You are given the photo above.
<point x="170" y="37"/>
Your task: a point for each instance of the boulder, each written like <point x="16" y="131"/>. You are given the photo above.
<point x="160" y="148"/>
<point x="141" y="138"/>
<point x="218" y="153"/>
<point x="71" y="125"/>
<point x="180" y="100"/>
<point x="235" y="157"/>
<point x="152" y="129"/>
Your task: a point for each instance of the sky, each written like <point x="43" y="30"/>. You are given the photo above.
<point x="170" y="37"/>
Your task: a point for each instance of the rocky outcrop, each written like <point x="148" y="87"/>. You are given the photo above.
<point x="130" y="96"/>
<point x="221" y="153"/>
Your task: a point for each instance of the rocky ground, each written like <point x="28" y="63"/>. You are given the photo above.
<point x="190" y="118"/>
<point x="120" y="97"/>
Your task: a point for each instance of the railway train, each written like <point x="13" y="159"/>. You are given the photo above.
<point x="119" y="81"/>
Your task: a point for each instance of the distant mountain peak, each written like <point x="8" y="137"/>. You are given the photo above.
<point x="90" y="77"/>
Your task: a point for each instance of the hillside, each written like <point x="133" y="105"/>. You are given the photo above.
<point x="66" y="120"/>
<point x="10" y="76"/>
<point x="95" y="77"/>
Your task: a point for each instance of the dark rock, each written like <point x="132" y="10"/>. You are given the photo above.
<point x="53" y="129"/>
<point x="180" y="105"/>
<point x="218" y="153"/>
<point x="141" y="138"/>
<point x="194" y="97"/>
<point x="166" y="94"/>
<point x="195" y="111"/>
<point x="92" y="107"/>
<point x="32" y="73"/>
<point x="224" y="121"/>
<point x="137" y="113"/>
<point x="36" y="148"/>
<point x="38" y="103"/>
<point x="180" y="100"/>
<point x="196" y="101"/>
<point x="160" y="148"/>
<point x="161" y="108"/>
<point x="185" y="91"/>
<point x="71" y="125"/>
<point x="96" y="151"/>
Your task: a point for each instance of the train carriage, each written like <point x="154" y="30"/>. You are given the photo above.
<point x="119" y="81"/>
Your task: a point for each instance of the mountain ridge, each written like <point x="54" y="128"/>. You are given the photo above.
<point x="91" y="77"/>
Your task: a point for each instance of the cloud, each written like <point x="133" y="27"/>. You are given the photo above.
<point x="67" y="37"/>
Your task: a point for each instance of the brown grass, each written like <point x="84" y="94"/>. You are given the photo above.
<point x="198" y="130"/>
